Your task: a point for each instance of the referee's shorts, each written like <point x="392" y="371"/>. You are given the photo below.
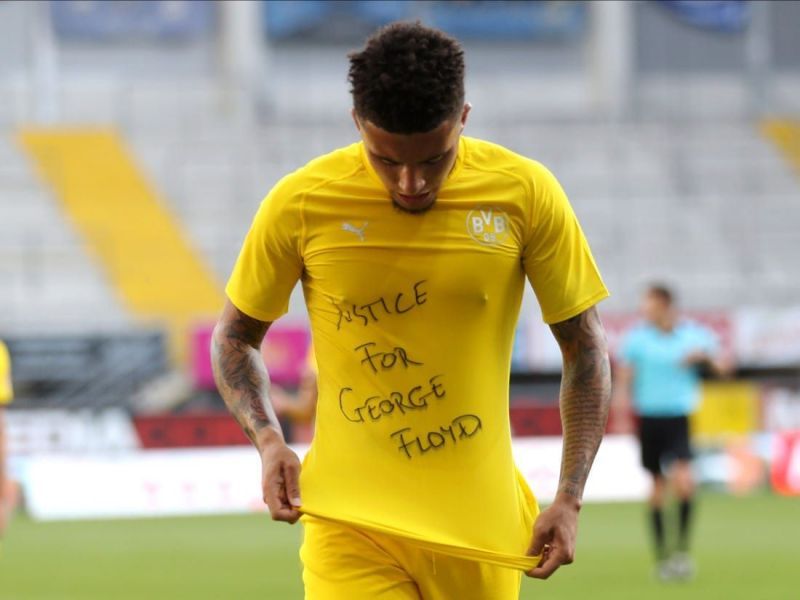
<point x="663" y="440"/>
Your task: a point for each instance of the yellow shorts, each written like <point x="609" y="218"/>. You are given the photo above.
<point x="343" y="562"/>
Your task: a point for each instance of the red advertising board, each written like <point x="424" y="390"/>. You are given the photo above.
<point x="189" y="430"/>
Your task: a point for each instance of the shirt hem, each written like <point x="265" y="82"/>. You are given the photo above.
<point x="578" y="309"/>
<point x="251" y="311"/>
<point x="500" y="559"/>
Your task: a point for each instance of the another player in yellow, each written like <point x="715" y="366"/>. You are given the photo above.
<point x="413" y="247"/>
<point x="7" y="489"/>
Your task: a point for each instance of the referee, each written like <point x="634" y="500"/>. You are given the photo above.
<point x="659" y="368"/>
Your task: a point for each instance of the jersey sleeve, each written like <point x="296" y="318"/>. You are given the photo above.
<point x="6" y="389"/>
<point x="270" y="262"/>
<point x="556" y="256"/>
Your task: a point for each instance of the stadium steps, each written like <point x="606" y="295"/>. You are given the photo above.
<point x="127" y="226"/>
<point x="49" y="284"/>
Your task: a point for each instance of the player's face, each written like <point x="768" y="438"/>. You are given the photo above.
<point x="413" y="166"/>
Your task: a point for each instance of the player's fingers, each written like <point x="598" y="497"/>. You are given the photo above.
<point x="540" y="539"/>
<point x="287" y="515"/>
<point x="544" y="571"/>
<point x="268" y="492"/>
<point x="275" y="495"/>
<point x="279" y="507"/>
<point x="291" y="476"/>
<point x="549" y="566"/>
<point x="273" y="492"/>
<point x="565" y="546"/>
<point x="273" y="504"/>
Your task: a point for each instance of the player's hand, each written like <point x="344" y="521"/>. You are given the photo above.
<point x="280" y="481"/>
<point x="554" y="535"/>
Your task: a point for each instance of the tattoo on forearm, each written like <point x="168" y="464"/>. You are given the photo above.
<point x="240" y="374"/>
<point x="585" y="396"/>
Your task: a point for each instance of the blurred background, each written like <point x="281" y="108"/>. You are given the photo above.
<point x="136" y="142"/>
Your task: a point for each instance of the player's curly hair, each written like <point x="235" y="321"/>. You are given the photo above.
<point x="408" y="78"/>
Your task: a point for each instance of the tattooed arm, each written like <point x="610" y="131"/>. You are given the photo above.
<point x="243" y="382"/>
<point x="585" y="396"/>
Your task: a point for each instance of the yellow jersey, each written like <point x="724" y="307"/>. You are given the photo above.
<point x="412" y="319"/>
<point x="6" y="390"/>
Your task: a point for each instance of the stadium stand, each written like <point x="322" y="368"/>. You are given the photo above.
<point x="50" y="281"/>
<point x="657" y="199"/>
<point x="685" y="186"/>
<point x="661" y="198"/>
<point x="125" y="224"/>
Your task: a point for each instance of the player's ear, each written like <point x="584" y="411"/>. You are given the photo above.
<point x="355" y="119"/>
<point x="465" y="114"/>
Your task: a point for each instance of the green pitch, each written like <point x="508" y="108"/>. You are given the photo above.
<point x="746" y="548"/>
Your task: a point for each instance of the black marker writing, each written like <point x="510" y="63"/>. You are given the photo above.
<point x="391" y="304"/>
<point x="375" y="408"/>
<point x="385" y="360"/>
<point x="461" y="428"/>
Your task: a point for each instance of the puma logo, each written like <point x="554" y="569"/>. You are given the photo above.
<point x="359" y="231"/>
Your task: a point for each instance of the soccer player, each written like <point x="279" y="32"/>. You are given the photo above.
<point x="659" y="364"/>
<point x="412" y="247"/>
<point x="7" y="488"/>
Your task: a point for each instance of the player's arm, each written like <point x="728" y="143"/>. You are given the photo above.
<point x="243" y="382"/>
<point x="585" y="397"/>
